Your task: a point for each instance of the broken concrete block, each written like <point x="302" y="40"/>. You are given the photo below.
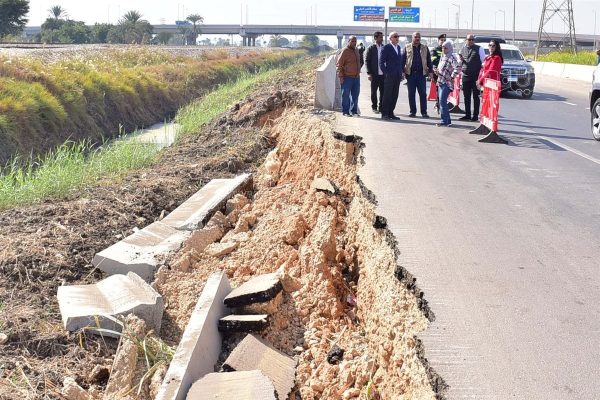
<point x="323" y="185"/>
<point x="221" y="249"/>
<point x="200" y="345"/>
<point x="242" y="385"/>
<point x="244" y="323"/>
<point x="253" y="353"/>
<point x="194" y="213"/>
<point x="87" y="305"/>
<point x="140" y="252"/>
<point x="259" y="289"/>
<point x="124" y="365"/>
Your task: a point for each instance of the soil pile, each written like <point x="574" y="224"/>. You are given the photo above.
<point x="344" y="315"/>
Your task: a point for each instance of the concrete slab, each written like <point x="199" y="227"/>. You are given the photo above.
<point x="88" y="305"/>
<point x="195" y="212"/>
<point x="326" y="85"/>
<point x="253" y="353"/>
<point x="200" y="345"/>
<point x="244" y="323"/>
<point x="243" y="385"/>
<point x="259" y="289"/>
<point x="138" y="252"/>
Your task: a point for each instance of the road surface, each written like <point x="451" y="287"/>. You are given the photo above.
<point x="503" y="239"/>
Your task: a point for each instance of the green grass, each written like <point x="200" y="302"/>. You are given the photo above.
<point x="566" y="57"/>
<point x="73" y="166"/>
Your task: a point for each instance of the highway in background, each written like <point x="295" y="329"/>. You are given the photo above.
<point x="503" y="240"/>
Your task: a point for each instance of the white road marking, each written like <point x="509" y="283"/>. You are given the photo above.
<point x="568" y="148"/>
<point x="564" y="146"/>
<point x="571" y="104"/>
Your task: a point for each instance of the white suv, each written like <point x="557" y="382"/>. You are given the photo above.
<point x="595" y="104"/>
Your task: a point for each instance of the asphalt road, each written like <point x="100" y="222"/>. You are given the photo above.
<point x="503" y="239"/>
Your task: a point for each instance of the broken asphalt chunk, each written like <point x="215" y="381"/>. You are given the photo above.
<point x="253" y="353"/>
<point x="242" y="385"/>
<point x="244" y="323"/>
<point x="380" y="222"/>
<point x="259" y="289"/>
<point x="335" y="355"/>
<point x="96" y="305"/>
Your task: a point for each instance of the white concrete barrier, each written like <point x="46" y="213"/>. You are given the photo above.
<point x="141" y="251"/>
<point x="200" y="345"/>
<point x="327" y="94"/>
<point x="88" y="305"/>
<point x="568" y="71"/>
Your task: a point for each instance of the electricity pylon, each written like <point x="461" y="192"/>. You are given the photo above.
<point x="563" y="9"/>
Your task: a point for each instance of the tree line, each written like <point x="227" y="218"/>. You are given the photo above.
<point x="130" y="29"/>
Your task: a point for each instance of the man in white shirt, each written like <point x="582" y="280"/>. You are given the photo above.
<point x="374" y="71"/>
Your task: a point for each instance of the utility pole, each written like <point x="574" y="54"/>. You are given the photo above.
<point x="514" y="20"/>
<point x="472" y="13"/>
<point x="457" y="21"/>
<point x="564" y="10"/>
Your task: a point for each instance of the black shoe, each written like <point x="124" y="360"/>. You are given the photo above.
<point x="465" y="118"/>
<point x="412" y="115"/>
<point x="347" y="115"/>
<point x="385" y="118"/>
<point x="376" y="111"/>
<point x="394" y="117"/>
<point x="425" y="115"/>
<point x="475" y="119"/>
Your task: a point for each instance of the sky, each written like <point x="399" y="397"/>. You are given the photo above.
<point x="495" y="14"/>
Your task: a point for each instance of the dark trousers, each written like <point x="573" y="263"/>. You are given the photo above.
<point x="391" y="88"/>
<point x="417" y="83"/>
<point x="376" y="84"/>
<point x="470" y="90"/>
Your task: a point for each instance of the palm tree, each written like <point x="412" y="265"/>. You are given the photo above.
<point x="194" y="18"/>
<point x="57" y="12"/>
<point x="132" y="16"/>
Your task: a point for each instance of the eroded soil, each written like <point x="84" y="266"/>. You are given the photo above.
<point x="51" y="244"/>
<point x="342" y="285"/>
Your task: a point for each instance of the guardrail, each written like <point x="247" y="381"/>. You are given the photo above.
<point x="569" y="71"/>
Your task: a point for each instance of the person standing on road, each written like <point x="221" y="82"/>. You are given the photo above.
<point x="374" y="71"/>
<point x="598" y="54"/>
<point x="448" y="68"/>
<point x="361" y="53"/>
<point x="436" y="56"/>
<point x="391" y="62"/>
<point x="417" y="67"/>
<point x="491" y="69"/>
<point x="348" y="70"/>
<point x="472" y="57"/>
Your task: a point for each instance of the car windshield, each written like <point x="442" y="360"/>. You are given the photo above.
<point x="509" y="55"/>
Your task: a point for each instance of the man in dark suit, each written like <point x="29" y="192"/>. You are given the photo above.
<point x="374" y="72"/>
<point x="391" y="62"/>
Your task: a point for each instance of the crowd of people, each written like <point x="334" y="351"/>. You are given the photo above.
<point x="388" y="65"/>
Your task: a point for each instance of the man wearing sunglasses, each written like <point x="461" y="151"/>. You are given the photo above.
<point x="391" y="62"/>
<point x="472" y="57"/>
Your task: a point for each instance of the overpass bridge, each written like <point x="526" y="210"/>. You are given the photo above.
<point x="249" y="33"/>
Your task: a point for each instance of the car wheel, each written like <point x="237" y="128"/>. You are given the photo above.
<point x="527" y="93"/>
<point x="595" y="111"/>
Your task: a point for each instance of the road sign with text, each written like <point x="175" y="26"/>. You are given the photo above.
<point x="405" y="14"/>
<point x="403" y="3"/>
<point x="369" y="13"/>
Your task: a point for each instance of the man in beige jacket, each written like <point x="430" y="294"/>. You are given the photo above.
<point x="348" y="71"/>
<point x="418" y="66"/>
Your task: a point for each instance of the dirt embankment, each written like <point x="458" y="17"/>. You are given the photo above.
<point x="51" y="244"/>
<point x="341" y="284"/>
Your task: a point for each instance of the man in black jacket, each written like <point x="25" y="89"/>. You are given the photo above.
<point x="472" y="57"/>
<point x="374" y="72"/>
